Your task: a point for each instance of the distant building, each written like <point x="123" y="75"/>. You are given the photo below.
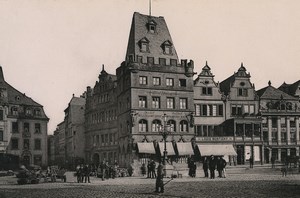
<point x="51" y="150"/>
<point x="74" y="131"/>
<point x="60" y="145"/>
<point x="280" y="126"/>
<point x="23" y="128"/>
<point x="101" y="129"/>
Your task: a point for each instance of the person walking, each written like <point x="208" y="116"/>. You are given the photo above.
<point x="224" y="163"/>
<point x="212" y="167"/>
<point x="148" y="170"/>
<point x="273" y="161"/>
<point x="194" y="168"/>
<point x="205" y="167"/>
<point x="159" y="186"/>
<point x="103" y="168"/>
<point x="251" y="161"/>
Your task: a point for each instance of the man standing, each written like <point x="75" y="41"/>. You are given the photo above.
<point x="251" y="161"/>
<point x="212" y="167"/>
<point x="273" y="161"/>
<point x="159" y="187"/>
<point x="219" y="166"/>
<point x="205" y="167"/>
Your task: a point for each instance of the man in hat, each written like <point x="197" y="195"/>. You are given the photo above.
<point x="159" y="187"/>
<point x="212" y="167"/>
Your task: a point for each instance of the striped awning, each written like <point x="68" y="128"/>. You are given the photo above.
<point x="146" y="147"/>
<point x="216" y="149"/>
<point x="169" y="147"/>
<point x="184" y="148"/>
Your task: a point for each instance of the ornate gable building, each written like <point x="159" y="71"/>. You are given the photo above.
<point x="280" y="112"/>
<point x="23" y="128"/>
<point x="155" y="90"/>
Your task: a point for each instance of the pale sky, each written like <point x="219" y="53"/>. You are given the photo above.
<point x="51" y="49"/>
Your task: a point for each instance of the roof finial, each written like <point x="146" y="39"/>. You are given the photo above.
<point x="102" y="67"/>
<point x="149" y="7"/>
<point x="206" y="63"/>
<point x="269" y="83"/>
<point x="242" y="65"/>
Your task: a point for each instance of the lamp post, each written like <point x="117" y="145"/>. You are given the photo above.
<point x="165" y="132"/>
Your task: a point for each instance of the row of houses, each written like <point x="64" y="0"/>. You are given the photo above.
<point x="123" y="115"/>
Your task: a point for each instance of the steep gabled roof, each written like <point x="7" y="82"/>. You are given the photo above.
<point x="290" y="88"/>
<point x="271" y="92"/>
<point x="14" y="96"/>
<point x="140" y="30"/>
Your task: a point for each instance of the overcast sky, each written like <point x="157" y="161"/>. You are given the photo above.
<point x="51" y="49"/>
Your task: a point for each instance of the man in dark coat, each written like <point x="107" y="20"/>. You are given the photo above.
<point x="87" y="172"/>
<point x="212" y="167"/>
<point x="219" y="166"/>
<point x="159" y="187"/>
<point x="205" y="167"/>
<point x="251" y="161"/>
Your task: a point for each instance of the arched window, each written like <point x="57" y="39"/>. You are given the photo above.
<point x="143" y="126"/>
<point x="184" y="126"/>
<point x="282" y="107"/>
<point x="172" y="125"/>
<point x="156" y="125"/>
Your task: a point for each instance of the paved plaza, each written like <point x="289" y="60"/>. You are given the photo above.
<point x="243" y="182"/>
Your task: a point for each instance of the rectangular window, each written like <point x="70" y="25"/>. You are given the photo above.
<point x="183" y="103"/>
<point x="246" y="109"/>
<point x="106" y="138"/>
<point x="197" y="109"/>
<point x="1" y="114"/>
<point x="26" y="144"/>
<point x="242" y="92"/>
<point x="14" y="144"/>
<point x="37" y="128"/>
<point x="26" y="127"/>
<point x="182" y="82"/>
<point x="156" y="102"/>
<point x="15" y="127"/>
<point x="142" y="101"/>
<point x="214" y="110"/>
<point x="206" y="91"/>
<point x="156" y="81"/>
<point x="110" y="138"/>
<point x="144" y="47"/>
<point x="37" y="144"/>
<point x="162" y="61"/>
<point x="143" y="80"/>
<point x="170" y="103"/>
<point x="204" y="110"/>
<point x="102" y="139"/>
<point x="1" y="136"/>
<point x="170" y="82"/>
<point x="173" y="62"/>
<point x="236" y="110"/>
<point x="150" y="60"/>
<point x="139" y="59"/>
<point x="220" y="110"/>
<point x="251" y="111"/>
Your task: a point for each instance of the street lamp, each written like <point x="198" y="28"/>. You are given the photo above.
<point x="165" y="132"/>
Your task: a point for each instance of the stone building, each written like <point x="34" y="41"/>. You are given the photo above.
<point x="226" y="117"/>
<point x="23" y="128"/>
<point x="155" y="94"/>
<point x="280" y="126"/>
<point x="74" y="131"/>
<point x="59" y="145"/>
<point x="101" y="131"/>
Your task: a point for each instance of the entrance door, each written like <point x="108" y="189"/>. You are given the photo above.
<point x="240" y="154"/>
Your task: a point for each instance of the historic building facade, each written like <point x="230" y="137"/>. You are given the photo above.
<point x="101" y="131"/>
<point x="74" y="131"/>
<point x="23" y="128"/>
<point x="280" y="126"/>
<point x="226" y="114"/>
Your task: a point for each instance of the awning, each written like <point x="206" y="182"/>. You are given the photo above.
<point x="169" y="147"/>
<point x="146" y="147"/>
<point x="184" y="148"/>
<point x="216" y="149"/>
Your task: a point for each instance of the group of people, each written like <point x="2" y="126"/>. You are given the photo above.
<point x="106" y="171"/>
<point x="151" y="166"/>
<point x="212" y="164"/>
<point x="83" y="173"/>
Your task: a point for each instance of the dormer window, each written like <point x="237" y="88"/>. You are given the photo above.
<point x="167" y="47"/>
<point x="144" y="45"/>
<point x="152" y="27"/>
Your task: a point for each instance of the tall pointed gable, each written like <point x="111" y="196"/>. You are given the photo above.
<point x="1" y="75"/>
<point x="291" y="89"/>
<point x="150" y="37"/>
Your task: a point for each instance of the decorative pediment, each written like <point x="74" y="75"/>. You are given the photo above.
<point x="144" y="40"/>
<point x="167" y="43"/>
